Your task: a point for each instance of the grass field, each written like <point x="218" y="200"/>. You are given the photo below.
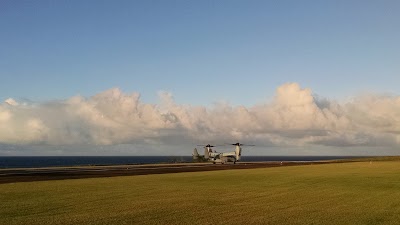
<point x="342" y="193"/>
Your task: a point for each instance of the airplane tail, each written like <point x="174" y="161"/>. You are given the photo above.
<point x="195" y="154"/>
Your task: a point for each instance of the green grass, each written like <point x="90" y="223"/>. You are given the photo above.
<point x="342" y="193"/>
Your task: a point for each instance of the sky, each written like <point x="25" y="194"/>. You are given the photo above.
<point x="159" y="77"/>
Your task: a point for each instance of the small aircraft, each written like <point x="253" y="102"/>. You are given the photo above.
<point x="219" y="157"/>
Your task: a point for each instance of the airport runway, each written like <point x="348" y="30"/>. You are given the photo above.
<point x="61" y="173"/>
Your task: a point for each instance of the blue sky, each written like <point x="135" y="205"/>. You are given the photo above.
<point x="271" y="57"/>
<point x="201" y="51"/>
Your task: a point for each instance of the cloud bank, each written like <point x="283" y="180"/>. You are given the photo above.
<point x="294" y="117"/>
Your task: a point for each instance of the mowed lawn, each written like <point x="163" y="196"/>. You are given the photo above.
<point x="342" y="193"/>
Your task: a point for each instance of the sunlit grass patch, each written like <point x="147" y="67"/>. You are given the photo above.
<point x="342" y="193"/>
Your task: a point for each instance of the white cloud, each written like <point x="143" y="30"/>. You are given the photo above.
<point x="11" y="101"/>
<point x="293" y="118"/>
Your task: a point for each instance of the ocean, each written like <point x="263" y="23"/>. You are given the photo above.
<point x="52" y="161"/>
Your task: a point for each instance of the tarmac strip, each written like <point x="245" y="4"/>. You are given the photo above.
<point x="62" y="173"/>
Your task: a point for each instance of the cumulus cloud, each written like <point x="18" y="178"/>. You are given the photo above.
<point x="11" y="101"/>
<point x="294" y="117"/>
